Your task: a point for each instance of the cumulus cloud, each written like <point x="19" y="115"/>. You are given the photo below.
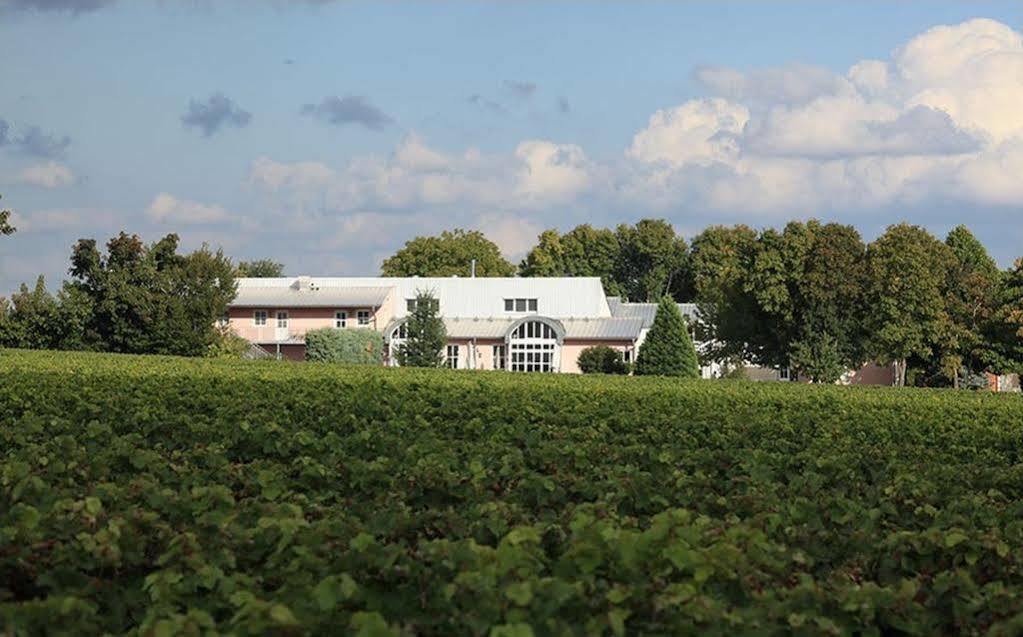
<point x="47" y="175"/>
<point x="166" y="208"/>
<point x="351" y="109"/>
<point x="215" y="112"/>
<point x="33" y="141"/>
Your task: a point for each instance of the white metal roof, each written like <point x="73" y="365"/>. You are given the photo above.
<point x="647" y="311"/>
<point x="327" y="296"/>
<point x="462" y="297"/>
<point x="597" y="329"/>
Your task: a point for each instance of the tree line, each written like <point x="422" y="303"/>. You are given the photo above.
<point x="813" y="296"/>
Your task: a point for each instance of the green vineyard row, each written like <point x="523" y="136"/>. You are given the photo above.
<point x="162" y="496"/>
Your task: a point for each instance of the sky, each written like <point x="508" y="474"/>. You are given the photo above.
<point x="326" y="133"/>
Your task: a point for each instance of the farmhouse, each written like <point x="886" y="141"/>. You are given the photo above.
<point x="517" y="324"/>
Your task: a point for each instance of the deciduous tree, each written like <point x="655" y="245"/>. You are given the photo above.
<point x="582" y="251"/>
<point x="972" y="287"/>
<point x="260" y="269"/>
<point x="450" y="254"/>
<point x="652" y="262"/>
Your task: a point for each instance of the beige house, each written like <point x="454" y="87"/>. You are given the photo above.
<point x="516" y="324"/>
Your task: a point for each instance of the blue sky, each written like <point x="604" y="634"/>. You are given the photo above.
<point x="325" y="134"/>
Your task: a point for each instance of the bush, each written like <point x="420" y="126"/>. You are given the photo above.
<point x="602" y="359"/>
<point x="668" y="350"/>
<point x="330" y="345"/>
<point x="158" y="495"/>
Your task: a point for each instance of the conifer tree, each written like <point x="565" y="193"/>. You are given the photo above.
<point x="426" y="336"/>
<point x="668" y="350"/>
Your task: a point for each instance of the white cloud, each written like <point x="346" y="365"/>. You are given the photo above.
<point x="697" y="131"/>
<point x="166" y="208"/>
<point x="515" y="236"/>
<point x="48" y="174"/>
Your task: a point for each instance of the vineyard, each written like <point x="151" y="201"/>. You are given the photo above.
<point x="163" y="496"/>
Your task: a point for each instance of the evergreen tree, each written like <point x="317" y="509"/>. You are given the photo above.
<point x="426" y="336"/>
<point x="668" y="350"/>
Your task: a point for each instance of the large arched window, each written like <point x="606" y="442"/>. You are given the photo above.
<point x="395" y="339"/>
<point x="534" y="346"/>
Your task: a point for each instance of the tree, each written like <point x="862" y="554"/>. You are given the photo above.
<point x="330" y="345"/>
<point x="32" y="319"/>
<point x="652" y="261"/>
<point x="582" y="251"/>
<point x="820" y="359"/>
<point x="1004" y="331"/>
<point x="260" y="269"/>
<point x="425" y="334"/>
<point x="907" y="314"/>
<point x="972" y="287"/>
<point x="450" y="254"/>
<point x="5" y="225"/>
<point x="150" y="299"/>
<point x="668" y="350"/>
<point x="602" y="359"/>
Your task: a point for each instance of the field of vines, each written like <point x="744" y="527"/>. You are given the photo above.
<point x="161" y="496"/>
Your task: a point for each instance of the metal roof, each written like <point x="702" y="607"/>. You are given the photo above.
<point x="481" y="297"/>
<point x="325" y="296"/>
<point x="647" y="311"/>
<point x="625" y="329"/>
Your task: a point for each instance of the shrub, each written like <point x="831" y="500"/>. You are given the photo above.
<point x="425" y="335"/>
<point x="668" y="350"/>
<point x="159" y="496"/>
<point x="602" y="359"/>
<point x="330" y="345"/>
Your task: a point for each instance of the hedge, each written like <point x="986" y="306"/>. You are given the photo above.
<point x="357" y="346"/>
<point x="162" y="496"/>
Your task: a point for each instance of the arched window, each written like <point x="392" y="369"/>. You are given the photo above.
<point x="394" y="342"/>
<point x="533" y="347"/>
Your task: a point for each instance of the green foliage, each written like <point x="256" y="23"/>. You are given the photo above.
<point x="228" y="345"/>
<point x="449" y="254"/>
<point x="150" y="299"/>
<point x="602" y="359"/>
<point x="668" y="349"/>
<point x="652" y="261"/>
<point x="1004" y="330"/>
<point x="164" y="496"/>
<point x="425" y="334"/>
<point x="972" y="288"/>
<point x="260" y="269"/>
<point x="819" y="359"/>
<point x="355" y="346"/>
<point x="5" y="224"/>
<point x="582" y="251"/>
<point x="907" y="314"/>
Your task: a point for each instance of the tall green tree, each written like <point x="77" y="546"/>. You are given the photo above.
<point x="150" y="299"/>
<point x="425" y="334"/>
<point x="907" y="314"/>
<point x="449" y="254"/>
<point x="972" y="287"/>
<point x="32" y="320"/>
<point x="1004" y="330"/>
<point x="260" y="269"/>
<point x="582" y="251"/>
<point x="652" y="261"/>
<point x="668" y="349"/>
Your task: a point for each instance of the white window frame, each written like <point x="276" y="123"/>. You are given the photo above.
<point x="224" y="320"/>
<point x="451" y="362"/>
<point x="340" y="319"/>
<point x="784" y="373"/>
<point x="260" y="318"/>
<point x="533" y="347"/>
<point x="363" y="317"/>
<point x="500" y="354"/>
<point x="522" y="305"/>
<point x="282" y="315"/>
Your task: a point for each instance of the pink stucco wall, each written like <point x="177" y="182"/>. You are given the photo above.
<point x="300" y="320"/>
<point x="570" y="351"/>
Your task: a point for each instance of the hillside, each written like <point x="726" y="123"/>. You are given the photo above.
<point x="180" y="496"/>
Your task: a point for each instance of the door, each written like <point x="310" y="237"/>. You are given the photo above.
<point x="281" y="333"/>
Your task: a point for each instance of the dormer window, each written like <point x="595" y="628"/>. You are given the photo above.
<point x="520" y="305"/>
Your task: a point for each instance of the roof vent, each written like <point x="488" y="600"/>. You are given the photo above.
<point x="303" y="283"/>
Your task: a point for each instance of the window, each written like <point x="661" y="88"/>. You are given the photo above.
<point x="282" y="319"/>
<point x="402" y="331"/>
<point x="452" y="357"/>
<point x="340" y="318"/>
<point x="224" y="320"/>
<point x="259" y="317"/>
<point x="627" y="356"/>
<point x="520" y="305"/>
<point x="533" y="347"/>
<point x="500" y="356"/>
<point x="363" y="317"/>
<point x="410" y="304"/>
<point x="784" y="374"/>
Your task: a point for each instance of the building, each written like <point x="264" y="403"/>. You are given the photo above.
<point x="517" y="324"/>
